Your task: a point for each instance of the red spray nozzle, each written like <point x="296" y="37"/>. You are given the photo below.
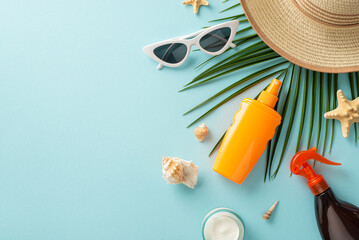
<point x="299" y="166"/>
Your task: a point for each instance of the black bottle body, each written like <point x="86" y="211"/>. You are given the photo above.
<point x="337" y="220"/>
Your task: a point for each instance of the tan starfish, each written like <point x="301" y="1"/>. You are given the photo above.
<point x="347" y="112"/>
<point x="196" y="4"/>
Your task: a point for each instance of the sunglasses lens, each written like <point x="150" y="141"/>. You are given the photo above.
<point x="171" y="53"/>
<point x="215" y="40"/>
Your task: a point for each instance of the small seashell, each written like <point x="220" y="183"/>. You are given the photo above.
<point x="201" y="131"/>
<point x="176" y="170"/>
<point x="267" y="215"/>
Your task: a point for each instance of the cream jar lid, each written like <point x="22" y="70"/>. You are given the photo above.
<point x="222" y="224"/>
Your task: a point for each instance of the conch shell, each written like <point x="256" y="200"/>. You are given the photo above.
<point x="201" y="131"/>
<point x="176" y="170"/>
<point x="267" y="215"/>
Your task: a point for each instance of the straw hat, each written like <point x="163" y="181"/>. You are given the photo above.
<point x="321" y="35"/>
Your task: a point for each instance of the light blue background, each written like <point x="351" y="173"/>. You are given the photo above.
<point x="85" y="118"/>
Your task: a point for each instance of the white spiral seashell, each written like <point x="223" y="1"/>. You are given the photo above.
<point x="176" y="170"/>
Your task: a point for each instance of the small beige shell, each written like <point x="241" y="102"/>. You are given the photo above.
<point x="267" y="215"/>
<point x="201" y="131"/>
<point x="172" y="170"/>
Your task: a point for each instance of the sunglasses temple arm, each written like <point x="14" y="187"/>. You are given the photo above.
<point x="232" y="45"/>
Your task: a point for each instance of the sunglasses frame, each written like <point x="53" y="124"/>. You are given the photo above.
<point x="191" y="40"/>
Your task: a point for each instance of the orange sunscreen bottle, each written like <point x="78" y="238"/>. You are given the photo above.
<point x="246" y="139"/>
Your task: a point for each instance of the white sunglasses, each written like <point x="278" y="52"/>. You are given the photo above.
<point x="213" y="40"/>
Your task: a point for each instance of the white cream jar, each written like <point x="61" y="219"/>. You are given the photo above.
<point x="222" y="224"/>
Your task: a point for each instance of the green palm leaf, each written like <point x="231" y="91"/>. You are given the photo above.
<point x="243" y="80"/>
<point x="320" y="107"/>
<point x="235" y="5"/>
<point x="352" y="94"/>
<point x="334" y="91"/>
<point x="329" y="77"/>
<point x="312" y="110"/>
<point x="234" y="65"/>
<point x="217" y="144"/>
<point x="304" y="101"/>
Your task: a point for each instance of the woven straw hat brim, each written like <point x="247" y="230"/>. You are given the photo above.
<point x="302" y="39"/>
